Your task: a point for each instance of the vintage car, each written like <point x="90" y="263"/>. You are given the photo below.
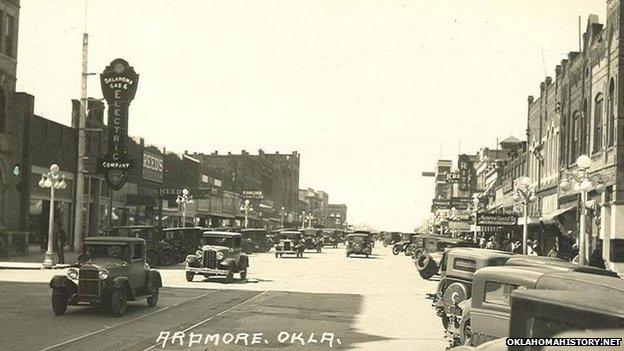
<point x="159" y="252"/>
<point x="485" y="316"/>
<point x="390" y="238"/>
<point x="330" y="237"/>
<point x="220" y="255"/>
<point x="402" y="244"/>
<point x="185" y="241"/>
<point x="111" y="272"/>
<point x="428" y="263"/>
<point x="457" y="268"/>
<point x="312" y="239"/>
<point x="258" y="239"/>
<point x="290" y="244"/>
<point x="358" y="244"/>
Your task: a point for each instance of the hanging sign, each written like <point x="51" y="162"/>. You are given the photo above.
<point x="496" y="219"/>
<point x="119" y="84"/>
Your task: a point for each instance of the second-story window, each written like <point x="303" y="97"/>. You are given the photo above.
<point x="597" y="147"/>
<point x="10" y="37"/>
<point x="574" y="137"/>
<point x="611" y="114"/>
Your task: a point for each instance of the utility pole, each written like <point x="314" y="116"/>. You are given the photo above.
<point x="78" y="205"/>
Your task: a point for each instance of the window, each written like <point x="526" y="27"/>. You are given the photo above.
<point x="598" y="123"/>
<point x="574" y="137"/>
<point x="498" y="293"/>
<point x="137" y="252"/>
<point x="10" y="37"/>
<point x="466" y="265"/>
<point x="611" y="114"/>
<point x="583" y="129"/>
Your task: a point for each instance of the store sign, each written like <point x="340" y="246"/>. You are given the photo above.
<point x="440" y="204"/>
<point x="452" y="177"/>
<point x="496" y="219"/>
<point x="466" y="172"/>
<point x="153" y="167"/>
<point x="461" y="203"/>
<point x="119" y="84"/>
<point x="252" y="194"/>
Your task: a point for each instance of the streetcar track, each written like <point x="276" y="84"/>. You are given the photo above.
<point x="261" y="294"/>
<point x="107" y="328"/>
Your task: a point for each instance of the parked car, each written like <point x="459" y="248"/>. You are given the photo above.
<point x="258" y="237"/>
<point x="428" y="263"/>
<point x="330" y="237"/>
<point x="457" y="268"/>
<point x="312" y="239"/>
<point x="159" y="252"/>
<point x="368" y="234"/>
<point x="185" y="241"/>
<point x="485" y="316"/>
<point x="390" y="238"/>
<point x="221" y="255"/>
<point x="402" y="244"/>
<point x="358" y="244"/>
<point x="112" y="272"/>
<point x="290" y="244"/>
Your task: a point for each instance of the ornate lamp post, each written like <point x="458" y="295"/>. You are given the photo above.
<point x="525" y="193"/>
<point x="584" y="183"/>
<point x="54" y="181"/>
<point x="182" y="200"/>
<point x="246" y="207"/>
<point x="282" y="213"/>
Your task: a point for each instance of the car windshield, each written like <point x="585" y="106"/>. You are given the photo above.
<point x="217" y="240"/>
<point x="143" y="233"/>
<point x="291" y="236"/>
<point x="406" y="237"/>
<point x="105" y="251"/>
<point x="357" y="239"/>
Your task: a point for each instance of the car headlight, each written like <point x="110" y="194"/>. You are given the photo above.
<point x="219" y="255"/>
<point x="72" y="273"/>
<point x="103" y="274"/>
<point x="199" y="253"/>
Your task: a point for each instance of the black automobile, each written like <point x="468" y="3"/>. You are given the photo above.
<point x="359" y="244"/>
<point x="185" y="241"/>
<point x="159" y="252"/>
<point x="258" y="238"/>
<point x="220" y="255"/>
<point x="330" y="237"/>
<point x="111" y="272"/>
<point x="312" y="239"/>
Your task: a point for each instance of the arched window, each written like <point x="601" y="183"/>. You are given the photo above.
<point x="583" y="135"/>
<point x="574" y="137"/>
<point x="611" y="114"/>
<point x="597" y="147"/>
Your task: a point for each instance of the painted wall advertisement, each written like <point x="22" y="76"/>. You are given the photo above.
<point x="153" y="167"/>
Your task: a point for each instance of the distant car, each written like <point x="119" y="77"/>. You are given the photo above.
<point x="290" y="244"/>
<point x="403" y="244"/>
<point x="485" y="316"/>
<point x="358" y="244"/>
<point x="159" y="252"/>
<point x="185" y="241"/>
<point x="368" y="234"/>
<point x="112" y="272"/>
<point x="330" y="237"/>
<point x="312" y="239"/>
<point x="390" y="238"/>
<point x="258" y="237"/>
<point x="220" y="255"/>
<point x="428" y="263"/>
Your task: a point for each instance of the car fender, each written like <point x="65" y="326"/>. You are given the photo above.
<point x="466" y="315"/>
<point x="243" y="262"/>
<point x="229" y="262"/>
<point x="154" y="279"/>
<point x="123" y="283"/>
<point x="63" y="282"/>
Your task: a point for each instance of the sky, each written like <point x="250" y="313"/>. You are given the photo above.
<point x="371" y="93"/>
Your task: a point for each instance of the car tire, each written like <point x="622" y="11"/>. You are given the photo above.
<point x="426" y="266"/>
<point x="281" y="255"/>
<point x="348" y="254"/>
<point x="189" y="276"/>
<point x="152" y="258"/>
<point x="366" y="255"/>
<point x="385" y="244"/>
<point x="467" y="334"/>
<point x="243" y="274"/>
<point x="59" y="301"/>
<point x="229" y="277"/>
<point x="276" y="254"/>
<point x="445" y="321"/>
<point x="152" y="300"/>
<point x="119" y="302"/>
<point x="396" y="250"/>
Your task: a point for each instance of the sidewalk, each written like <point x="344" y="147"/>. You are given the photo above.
<point x="34" y="259"/>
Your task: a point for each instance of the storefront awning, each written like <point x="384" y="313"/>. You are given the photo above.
<point x="551" y="216"/>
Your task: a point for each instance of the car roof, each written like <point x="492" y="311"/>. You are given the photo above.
<point x="112" y="239"/>
<point x="525" y="275"/>
<point x="562" y="279"/>
<point x="584" y="300"/>
<point x="185" y="228"/>
<point x="216" y="233"/>
<point x="478" y="253"/>
<point x="553" y="262"/>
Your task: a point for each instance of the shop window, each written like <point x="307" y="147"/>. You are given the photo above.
<point x="597" y="147"/>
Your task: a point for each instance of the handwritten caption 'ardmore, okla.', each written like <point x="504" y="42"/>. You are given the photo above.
<point x="180" y="338"/>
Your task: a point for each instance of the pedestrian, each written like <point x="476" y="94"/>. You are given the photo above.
<point x="489" y="244"/>
<point x="482" y="242"/>
<point x="553" y="251"/>
<point x="517" y="247"/>
<point x="530" y="250"/>
<point x="505" y="245"/>
<point x="59" y="240"/>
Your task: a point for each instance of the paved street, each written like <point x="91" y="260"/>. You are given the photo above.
<point x="368" y="304"/>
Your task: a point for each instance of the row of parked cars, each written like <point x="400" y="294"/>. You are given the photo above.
<point x="485" y="296"/>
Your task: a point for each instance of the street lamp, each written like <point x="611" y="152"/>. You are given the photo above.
<point x="525" y="193"/>
<point x="182" y="200"/>
<point x="54" y="181"/>
<point x="282" y="216"/>
<point x="246" y="207"/>
<point x="584" y="183"/>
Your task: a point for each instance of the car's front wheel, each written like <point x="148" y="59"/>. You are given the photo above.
<point x="229" y="277"/>
<point x="59" y="301"/>
<point x="119" y="301"/>
<point x="152" y="300"/>
<point x="190" y="276"/>
<point x="243" y="274"/>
